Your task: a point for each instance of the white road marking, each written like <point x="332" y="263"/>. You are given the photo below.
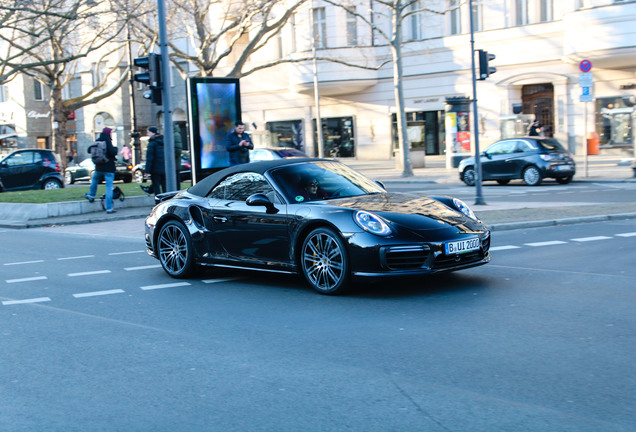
<point x="548" y="243"/>
<point x="143" y="267"/>
<point x="632" y="234"/>
<point x="172" y="285"/>
<point x="504" y="248"/>
<point x="219" y="280"/>
<point x="33" y="300"/>
<point x="129" y="252"/>
<point x="586" y="239"/>
<point x="98" y="293"/>
<point x="24" y="262"/>
<point x="76" y="257"/>
<point x="88" y="273"/>
<point x="29" y="279"/>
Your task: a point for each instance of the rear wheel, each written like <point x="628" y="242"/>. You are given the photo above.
<point x="68" y="177"/>
<point x="174" y="249"/>
<point x="470" y="176"/>
<point x="532" y="176"/>
<point x="51" y="184"/>
<point x="324" y="262"/>
<point x="564" y="180"/>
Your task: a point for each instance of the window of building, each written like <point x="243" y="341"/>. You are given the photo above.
<point x="545" y="10"/>
<point x="414" y="27"/>
<point x="98" y="71"/>
<point x="478" y="15"/>
<point x="288" y="133"/>
<point x="581" y="4"/>
<point x="521" y="12"/>
<point x="424" y="129"/>
<point x="454" y="13"/>
<point x="614" y="121"/>
<point x="320" y="28"/>
<point x="352" y="27"/>
<point x="38" y="90"/>
<point x="292" y="40"/>
<point x="337" y="137"/>
<point x="4" y="93"/>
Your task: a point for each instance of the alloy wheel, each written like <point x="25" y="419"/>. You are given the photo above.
<point x="174" y="249"/>
<point x="324" y="261"/>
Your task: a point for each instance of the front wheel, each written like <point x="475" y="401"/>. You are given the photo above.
<point x="51" y="184"/>
<point x="139" y="176"/>
<point x="324" y="262"/>
<point x="470" y="176"/>
<point x="532" y="176"/>
<point x="175" y="251"/>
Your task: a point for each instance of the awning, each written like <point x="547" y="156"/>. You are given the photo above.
<point x="5" y="136"/>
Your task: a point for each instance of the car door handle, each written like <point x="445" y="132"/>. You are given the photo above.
<point x="220" y="219"/>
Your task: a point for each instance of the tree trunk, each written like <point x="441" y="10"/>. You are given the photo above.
<point x="58" y="124"/>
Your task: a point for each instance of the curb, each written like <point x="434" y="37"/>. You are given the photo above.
<point x="565" y="221"/>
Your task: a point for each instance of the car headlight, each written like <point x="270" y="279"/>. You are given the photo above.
<point x="372" y="223"/>
<point x="548" y="157"/>
<point x="463" y="207"/>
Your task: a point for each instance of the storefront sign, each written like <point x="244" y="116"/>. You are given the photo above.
<point x="34" y="114"/>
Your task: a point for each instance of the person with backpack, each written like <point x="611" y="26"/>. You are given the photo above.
<point x="155" y="161"/>
<point x="103" y="155"/>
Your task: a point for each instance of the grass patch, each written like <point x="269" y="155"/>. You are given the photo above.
<point x="69" y="193"/>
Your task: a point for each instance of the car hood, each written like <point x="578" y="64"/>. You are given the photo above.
<point x="414" y="212"/>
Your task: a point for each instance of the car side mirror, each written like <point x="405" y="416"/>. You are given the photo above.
<point x="486" y="155"/>
<point x="261" y="200"/>
<point x="380" y="184"/>
<point x="4" y="164"/>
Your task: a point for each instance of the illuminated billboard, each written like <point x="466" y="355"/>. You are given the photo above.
<point x="214" y="106"/>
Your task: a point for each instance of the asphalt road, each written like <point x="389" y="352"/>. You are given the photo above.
<point x="96" y="337"/>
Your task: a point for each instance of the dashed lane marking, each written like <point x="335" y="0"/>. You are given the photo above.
<point x="90" y="273"/>
<point x="587" y="239"/>
<point x="98" y="293"/>
<point x="153" y="266"/>
<point x="76" y="257"/>
<point x="29" y="279"/>
<point x="33" y="300"/>
<point x="498" y="248"/>
<point x="548" y="243"/>
<point x="23" y="262"/>
<point x="632" y="234"/>
<point x="172" y="285"/>
<point x="129" y="252"/>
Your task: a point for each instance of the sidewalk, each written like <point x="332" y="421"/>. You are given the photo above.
<point x="600" y="169"/>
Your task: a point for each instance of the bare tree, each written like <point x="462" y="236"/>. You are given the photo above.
<point x="52" y="46"/>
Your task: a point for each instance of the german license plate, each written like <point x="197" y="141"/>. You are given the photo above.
<point x="462" y="246"/>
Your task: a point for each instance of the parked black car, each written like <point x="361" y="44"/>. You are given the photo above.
<point x="315" y="217"/>
<point x="83" y="171"/>
<point x="185" y="174"/>
<point x="528" y="158"/>
<point x="31" y="169"/>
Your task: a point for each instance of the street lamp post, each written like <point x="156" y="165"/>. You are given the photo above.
<point x="479" y="199"/>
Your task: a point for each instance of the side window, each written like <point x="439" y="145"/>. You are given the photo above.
<point x="524" y="146"/>
<point x="22" y="158"/>
<point x="239" y="187"/>
<point x="496" y="149"/>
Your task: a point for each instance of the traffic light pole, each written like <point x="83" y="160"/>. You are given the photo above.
<point x="479" y="198"/>
<point x="168" y="131"/>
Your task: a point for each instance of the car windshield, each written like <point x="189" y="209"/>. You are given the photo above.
<point x="311" y="181"/>
<point x="551" y="144"/>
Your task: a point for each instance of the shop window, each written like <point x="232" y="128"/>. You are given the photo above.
<point x="614" y="121"/>
<point x="424" y="131"/>
<point x="338" y="137"/>
<point x="287" y="133"/>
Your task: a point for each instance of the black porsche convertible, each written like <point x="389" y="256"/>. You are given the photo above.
<point x="315" y="217"/>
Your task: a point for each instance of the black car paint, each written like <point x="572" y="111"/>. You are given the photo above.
<point x="32" y="175"/>
<point x="83" y="171"/>
<point x="235" y="234"/>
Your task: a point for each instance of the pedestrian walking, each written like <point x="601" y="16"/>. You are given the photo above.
<point x="104" y="169"/>
<point x="155" y="161"/>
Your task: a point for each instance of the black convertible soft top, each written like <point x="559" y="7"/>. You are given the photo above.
<point x="204" y="187"/>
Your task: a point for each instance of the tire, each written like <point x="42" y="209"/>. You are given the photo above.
<point x="323" y="259"/>
<point x="532" y="176"/>
<point x="128" y="179"/>
<point x="470" y="176"/>
<point x="138" y="176"/>
<point x="503" y="182"/>
<point x="564" y="180"/>
<point x="51" y="184"/>
<point x="175" y="251"/>
<point x="68" y="177"/>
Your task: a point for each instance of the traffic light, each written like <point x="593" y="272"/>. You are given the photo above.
<point x="484" y="69"/>
<point x="152" y="78"/>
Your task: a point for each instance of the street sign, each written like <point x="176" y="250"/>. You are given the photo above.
<point x="586" y="79"/>
<point x="586" y="94"/>
<point x="585" y="65"/>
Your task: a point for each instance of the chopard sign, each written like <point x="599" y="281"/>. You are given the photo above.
<point x="34" y="114"/>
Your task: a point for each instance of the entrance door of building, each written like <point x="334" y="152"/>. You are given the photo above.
<point x="538" y="100"/>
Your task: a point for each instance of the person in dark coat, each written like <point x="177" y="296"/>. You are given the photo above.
<point x="535" y="128"/>
<point x="155" y="161"/>
<point x="104" y="171"/>
<point x="238" y="145"/>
